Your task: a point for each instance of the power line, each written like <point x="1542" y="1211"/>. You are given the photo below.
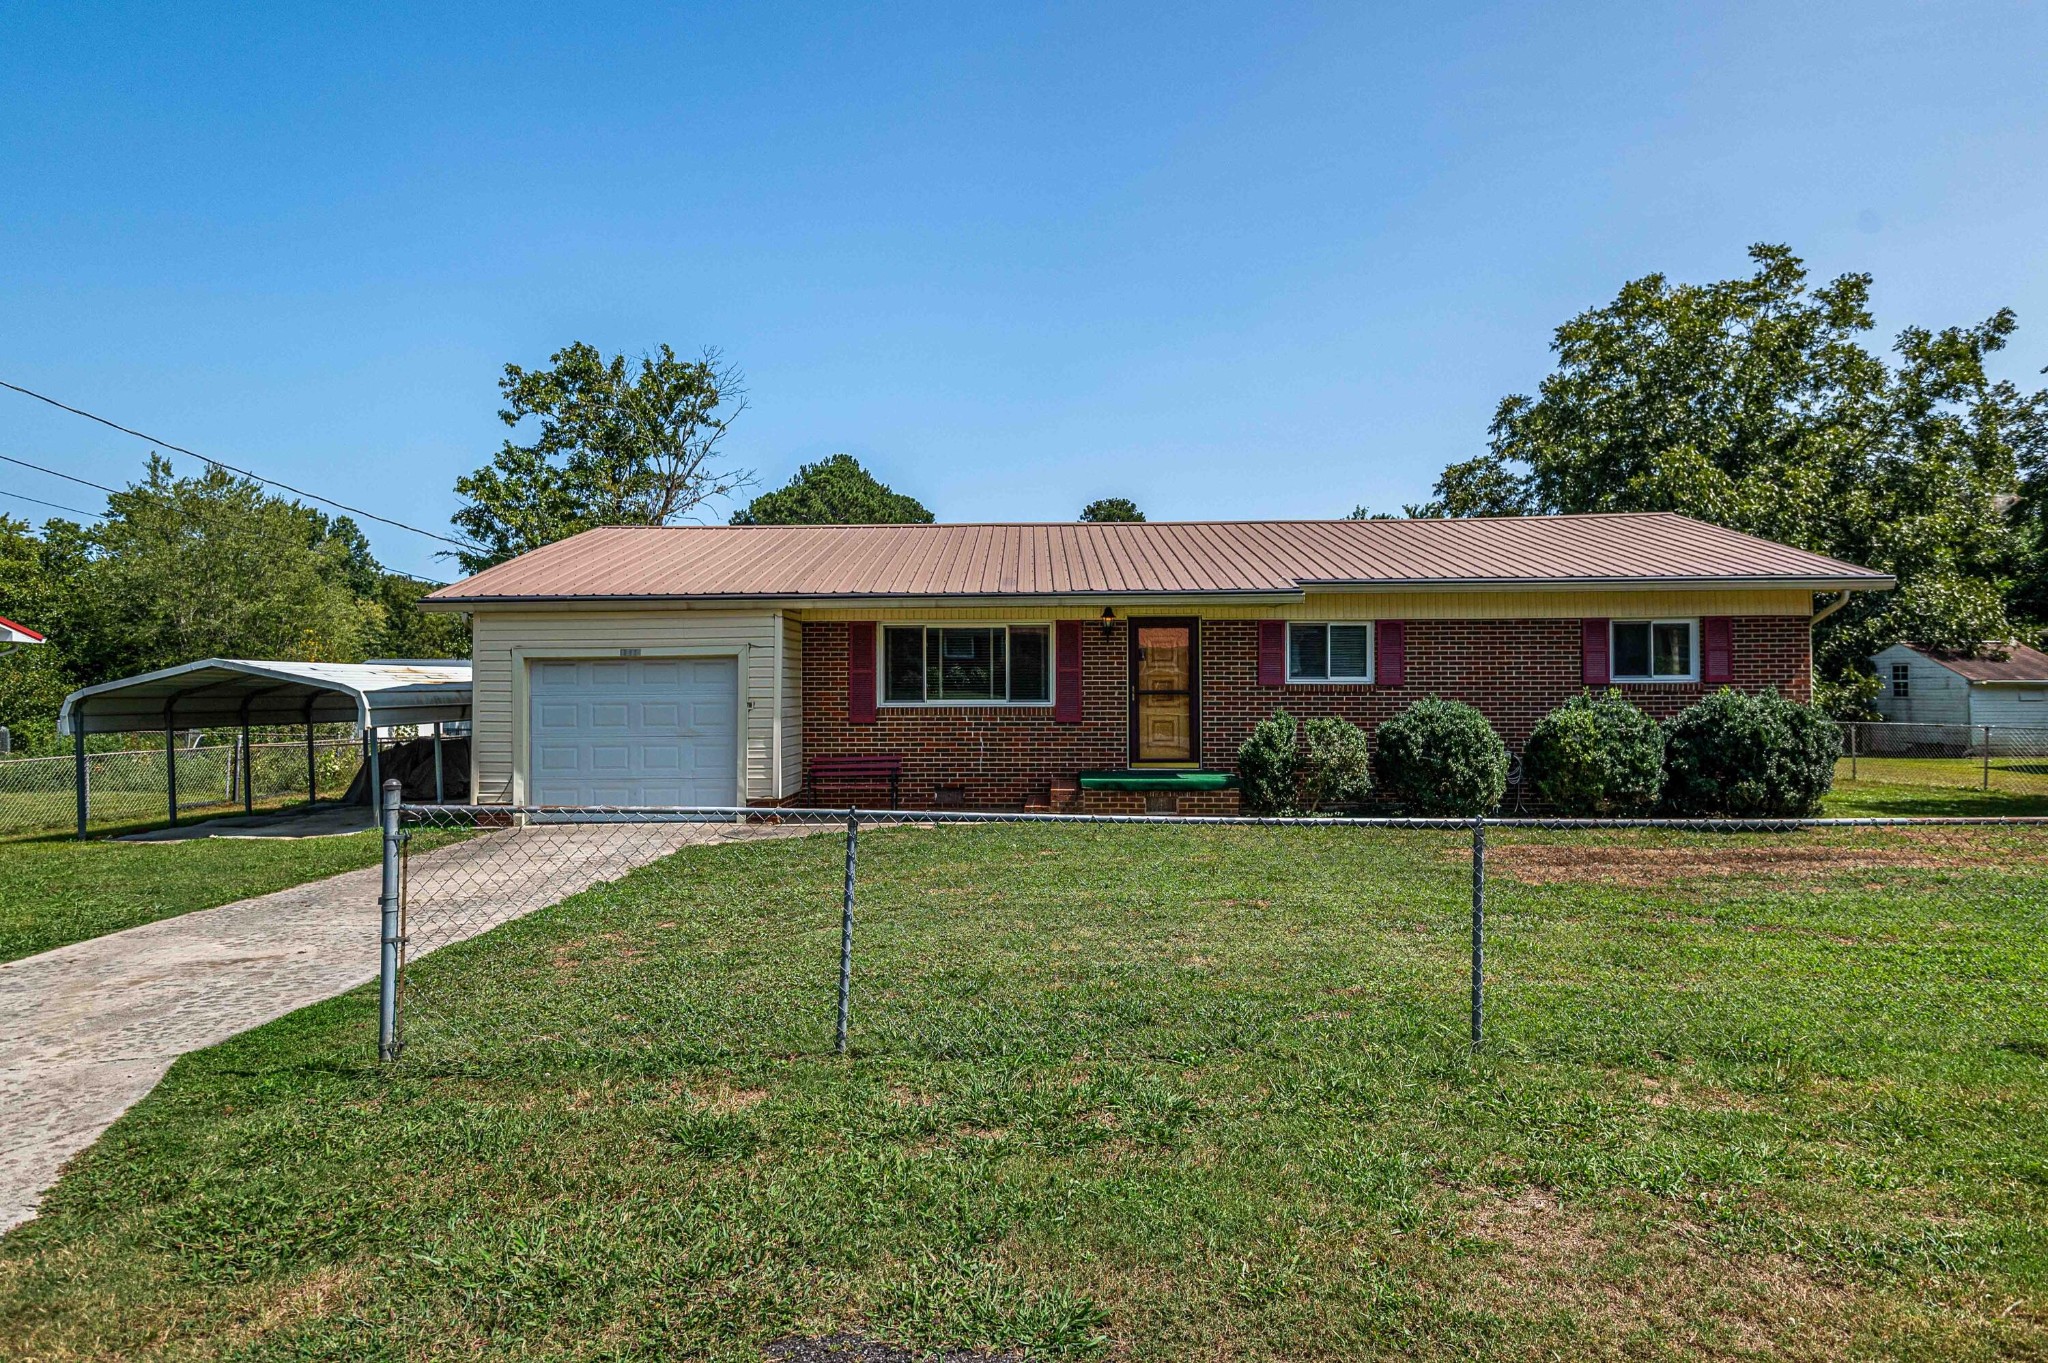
<point x="54" y="474"/>
<point x="431" y="581"/>
<point x="208" y="459"/>
<point x="54" y="506"/>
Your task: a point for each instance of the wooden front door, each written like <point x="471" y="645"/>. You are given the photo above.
<point x="1164" y="703"/>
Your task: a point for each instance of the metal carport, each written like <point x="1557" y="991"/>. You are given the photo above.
<point x="220" y="693"/>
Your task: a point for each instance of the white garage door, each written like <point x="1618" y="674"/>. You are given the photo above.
<point x="635" y="731"/>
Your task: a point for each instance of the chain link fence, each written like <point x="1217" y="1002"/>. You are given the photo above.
<point x="1982" y="757"/>
<point x="132" y="786"/>
<point x="947" y="934"/>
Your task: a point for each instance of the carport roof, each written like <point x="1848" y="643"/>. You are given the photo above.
<point x="221" y="692"/>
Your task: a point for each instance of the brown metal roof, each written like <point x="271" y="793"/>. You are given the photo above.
<point x="2020" y="663"/>
<point x="1157" y="557"/>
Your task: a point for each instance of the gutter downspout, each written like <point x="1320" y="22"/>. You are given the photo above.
<point x="1825" y="611"/>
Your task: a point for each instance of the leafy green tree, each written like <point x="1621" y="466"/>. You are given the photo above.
<point x="619" y="443"/>
<point x="833" y="491"/>
<point x="209" y="566"/>
<point x="1105" y="509"/>
<point x="1753" y="403"/>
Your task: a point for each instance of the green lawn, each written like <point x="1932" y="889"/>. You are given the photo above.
<point x="1146" y="1093"/>
<point x="56" y="889"/>
<point x="1886" y="794"/>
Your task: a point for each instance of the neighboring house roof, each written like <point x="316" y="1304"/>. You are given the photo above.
<point x="1153" y="557"/>
<point x="11" y="633"/>
<point x="218" y="692"/>
<point x="2020" y="665"/>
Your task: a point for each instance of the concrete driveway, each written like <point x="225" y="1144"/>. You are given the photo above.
<point x="88" y="1029"/>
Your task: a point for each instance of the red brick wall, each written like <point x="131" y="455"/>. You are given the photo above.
<point x="1514" y="671"/>
<point x="1003" y="755"/>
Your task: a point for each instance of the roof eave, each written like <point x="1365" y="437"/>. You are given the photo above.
<point x="798" y="600"/>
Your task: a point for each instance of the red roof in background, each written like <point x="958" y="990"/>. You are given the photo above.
<point x="5" y="623"/>
<point x="1173" y="557"/>
<point x="2020" y="663"/>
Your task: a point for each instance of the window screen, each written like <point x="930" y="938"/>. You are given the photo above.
<point x="1329" y="652"/>
<point x="1653" y="650"/>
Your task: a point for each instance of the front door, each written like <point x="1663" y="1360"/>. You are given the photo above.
<point x="1164" y="665"/>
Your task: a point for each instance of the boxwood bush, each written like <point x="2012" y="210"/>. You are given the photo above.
<point x="1441" y="757"/>
<point x="1335" y="766"/>
<point x="1744" y="756"/>
<point x="1596" y="756"/>
<point x="1268" y="765"/>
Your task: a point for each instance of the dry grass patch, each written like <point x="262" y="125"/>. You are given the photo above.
<point x="1640" y="866"/>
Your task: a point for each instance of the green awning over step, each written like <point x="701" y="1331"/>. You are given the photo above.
<point x="1157" y="780"/>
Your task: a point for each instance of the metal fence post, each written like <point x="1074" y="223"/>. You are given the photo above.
<point x="81" y="773"/>
<point x="1853" y="728"/>
<point x="1478" y="928"/>
<point x="846" y="928"/>
<point x="387" y="903"/>
<point x="1987" y="757"/>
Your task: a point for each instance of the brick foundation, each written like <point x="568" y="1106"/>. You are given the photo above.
<point x="1514" y="671"/>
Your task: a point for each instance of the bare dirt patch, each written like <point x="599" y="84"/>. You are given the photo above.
<point x="1644" y="867"/>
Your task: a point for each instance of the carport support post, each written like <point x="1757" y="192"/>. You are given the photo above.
<point x="387" y="903"/>
<point x="846" y="928"/>
<point x="248" y="783"/>
<point x="78" y="758"/>
<point x="312" y="765"/>
<point x="171" y="764"/>
<point x="1478" y="927"/>
<point x="376" y="769"/>
<point x="439" y="784"/>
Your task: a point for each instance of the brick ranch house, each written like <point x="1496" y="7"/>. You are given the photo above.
<point x="1103" y="667"/>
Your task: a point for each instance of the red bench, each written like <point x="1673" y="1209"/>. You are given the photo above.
<point x="851" y="771"/>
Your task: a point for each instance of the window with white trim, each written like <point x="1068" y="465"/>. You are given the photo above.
<point x="966" y="664"/>
<point x="1329" y="652"/>
<point x="1654" y="650"/>
<point x="1902" y="680"/>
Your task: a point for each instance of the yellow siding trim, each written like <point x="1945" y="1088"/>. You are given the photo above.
<point x="1571" y="605"/>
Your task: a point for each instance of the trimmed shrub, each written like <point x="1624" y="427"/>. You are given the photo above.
<point x="1749" y="757"/>
<point x="1441" y="757"/>
<point x="1596" y="756"/>
<point x="1268" y="765"/>
<point x="1336" y="766"/>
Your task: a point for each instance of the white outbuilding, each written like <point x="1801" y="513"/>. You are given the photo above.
<point x="2002" y="685"/>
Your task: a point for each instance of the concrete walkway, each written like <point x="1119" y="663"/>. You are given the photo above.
<point x="88" y="1029"/>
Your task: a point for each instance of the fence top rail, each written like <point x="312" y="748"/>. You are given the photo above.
<point x="412" y="813"/>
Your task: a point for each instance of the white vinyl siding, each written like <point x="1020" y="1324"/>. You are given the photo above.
<point x="1934" y="695"/>
<point x="792" y="707"/>
<point x="506" y="641"/>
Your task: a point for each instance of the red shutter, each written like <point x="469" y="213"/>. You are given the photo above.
<point x="1717" y="650"/>
<point x="860" y="672"/>
<point x="1272" y="653"/>
<point x="1390" y="642"/>
<point x="1593" y="653"/>
<point x="1066" y="691"/>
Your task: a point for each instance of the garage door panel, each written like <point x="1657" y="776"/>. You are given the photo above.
<point x="635" y="731"/>
<point x="560" y="759"/>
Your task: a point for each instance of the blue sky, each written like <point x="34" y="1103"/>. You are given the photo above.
<point x="1229" y="261"/>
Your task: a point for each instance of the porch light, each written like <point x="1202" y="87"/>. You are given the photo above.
<point x="1108" y="619"/>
